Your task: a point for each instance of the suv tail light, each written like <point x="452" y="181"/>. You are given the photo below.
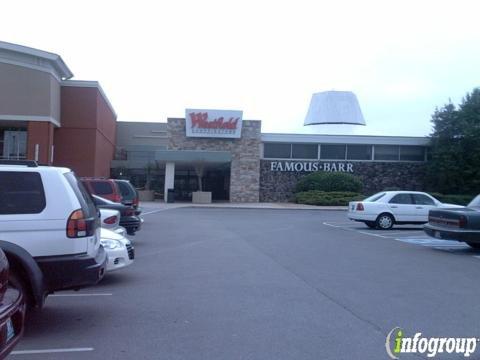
<point x="360" y="207"/>
<point x="117" y="198"/>
<point x="135" y="201"/>
<point x="110" y="220"/>
<point x="462" y="221"/>
<point x="79" y="226"/>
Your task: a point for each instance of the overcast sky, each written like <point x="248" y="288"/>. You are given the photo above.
<point x="156" y="58"/>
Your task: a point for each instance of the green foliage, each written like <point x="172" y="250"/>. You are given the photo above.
<point x="453" y="198"/>
<point x="329" y="181"/>
<point x="322" y="198"/>
<point x="454" y="165"/>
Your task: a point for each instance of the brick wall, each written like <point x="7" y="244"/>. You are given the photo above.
<point x="279" y="186"/>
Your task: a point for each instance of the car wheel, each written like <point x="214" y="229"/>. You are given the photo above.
<point x="385" y="221"/>
<point x="371" y="224"/>
<point x="14" y="280"/>
<point x="473" y="245"/>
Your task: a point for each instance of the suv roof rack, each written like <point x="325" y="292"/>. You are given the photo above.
<point x="29" y="163"/>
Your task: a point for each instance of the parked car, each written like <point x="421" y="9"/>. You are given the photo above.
<point x="460" y="224"/>
<point x="387" y="208"/>
<point x="106" y="188"/>
<point x="49" y="229"/>
<point x="128" y="219"/>
<point x="128" y="192"/>
<point x="12" y="308"/>
<point x="110" y="219"/>
<point x="119" y="249"/>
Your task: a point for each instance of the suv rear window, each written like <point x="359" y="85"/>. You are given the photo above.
<point x="126" y="190"/>
<point x="21" y="192"/>
<point x="101" y="187"/>
<point x="83" y="196"/>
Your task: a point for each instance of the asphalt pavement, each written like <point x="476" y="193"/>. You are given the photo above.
<point x="263" y="284"/>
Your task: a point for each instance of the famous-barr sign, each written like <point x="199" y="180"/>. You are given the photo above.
<point x="309" y="166"/>
<point x="213" y="123"/>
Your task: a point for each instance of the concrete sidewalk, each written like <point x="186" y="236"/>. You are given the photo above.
<point x="160" y="205"/>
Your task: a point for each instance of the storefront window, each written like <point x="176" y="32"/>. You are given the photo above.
<point x="305" y="151"/>
<point x="359" y="152"/>
<point x="277" y="151"/>
<point x="412" y="153"/>
<point x="333" y="152"/>
<point x="387" y="152"/>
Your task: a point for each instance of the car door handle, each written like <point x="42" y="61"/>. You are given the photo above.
<point x="419" y="207"/>
<point x="393" y="206"/>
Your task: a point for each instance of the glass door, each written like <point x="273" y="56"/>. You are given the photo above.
<point x="15" y="144"/>
<point x="185" y="183"/>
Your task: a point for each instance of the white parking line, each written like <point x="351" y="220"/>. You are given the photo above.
<point x="50" y="351"/>
<point x="366" y="232"/>
<point x="332" y="225"/>
<point x="402" y="233"/>
<point x="151" y="212"/>
<point x="78" y="295"/>
<point x="407" y="236"/>
<point x="371" y="234"/>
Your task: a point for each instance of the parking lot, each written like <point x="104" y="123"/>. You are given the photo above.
<point x="262" y="284"/>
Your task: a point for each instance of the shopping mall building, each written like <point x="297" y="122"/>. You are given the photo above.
<point x="239" y="163"/>
<point x="47" y="116"/>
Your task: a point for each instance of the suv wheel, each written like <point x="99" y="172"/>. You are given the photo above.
<point x="385" y="221"/>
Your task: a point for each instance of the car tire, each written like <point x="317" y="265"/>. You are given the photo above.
<point x="384" y="221"/>
<point x="16" y="281"/>
<point x="473" y="245"/>
<point x="371" y="224"/>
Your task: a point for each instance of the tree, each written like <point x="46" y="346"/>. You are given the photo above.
<point x="454" y="165"/>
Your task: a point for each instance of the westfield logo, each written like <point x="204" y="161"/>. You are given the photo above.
<point x="200" y="121"/>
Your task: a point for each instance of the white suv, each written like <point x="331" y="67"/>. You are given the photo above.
<point x="49" y="229"/>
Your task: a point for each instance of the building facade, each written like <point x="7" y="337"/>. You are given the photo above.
<point x="259" y="166"/>
<point x="46" y="116"/>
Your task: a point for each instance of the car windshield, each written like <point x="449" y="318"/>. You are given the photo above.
<point x="375" y="197"/>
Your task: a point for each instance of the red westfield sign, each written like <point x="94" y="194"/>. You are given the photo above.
<point x="213" y="123"/>
<point x="200" y="120"/>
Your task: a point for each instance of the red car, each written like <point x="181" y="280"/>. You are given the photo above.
<point x="12" y="309"/>
<point x="105" y="188"/>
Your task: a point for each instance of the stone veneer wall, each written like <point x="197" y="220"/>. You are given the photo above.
<point x="376" y="176"/>
<point x="245" y="165"/>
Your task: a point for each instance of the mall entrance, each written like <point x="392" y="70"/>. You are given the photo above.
<point x="216" y="179"/>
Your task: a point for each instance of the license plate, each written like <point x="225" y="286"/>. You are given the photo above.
<point x="10" y="330"/>
<point x="437" y="234"/>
